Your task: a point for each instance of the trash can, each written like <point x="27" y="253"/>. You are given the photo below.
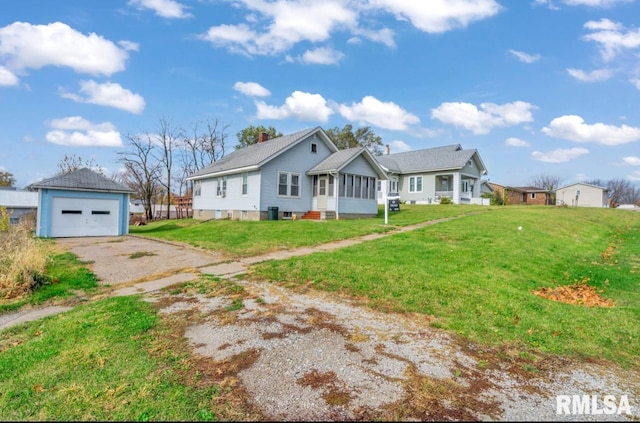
<point x="272" y="213"/>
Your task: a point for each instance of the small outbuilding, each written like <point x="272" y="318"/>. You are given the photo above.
<point x="582" y="195"/>
<point x="82" y="203"/>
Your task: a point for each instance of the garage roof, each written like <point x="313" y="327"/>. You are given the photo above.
<point x="83" y="179"/>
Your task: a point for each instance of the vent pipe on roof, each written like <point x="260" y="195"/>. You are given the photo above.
<point x="263" y="136"/>
<point x="386" y="149"/>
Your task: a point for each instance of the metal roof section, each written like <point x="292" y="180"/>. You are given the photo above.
<point x="83" y="179"/>
<point x="256" y="155"/>
<point x="15" y="199"/>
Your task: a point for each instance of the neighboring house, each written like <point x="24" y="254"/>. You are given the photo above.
<point x="582" y="195"/>
<point x="82" y="203"/>
<point x="299" y="174"/>
<point x="425" y="176"/>
<point x="527" y="195"/>
<point x="18" y="203"/>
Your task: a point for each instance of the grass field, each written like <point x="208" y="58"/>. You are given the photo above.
<point x="116" y="359"/>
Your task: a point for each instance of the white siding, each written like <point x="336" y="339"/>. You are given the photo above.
<point x="589" y="196"/>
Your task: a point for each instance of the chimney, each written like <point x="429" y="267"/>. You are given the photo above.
<point x="263" y="136"/>
<point x="386" y="149"/>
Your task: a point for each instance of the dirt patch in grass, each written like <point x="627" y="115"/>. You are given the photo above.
<point x="576" y="294"/>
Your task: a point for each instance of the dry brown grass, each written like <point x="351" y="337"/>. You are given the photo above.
<point x="23" y="260"/>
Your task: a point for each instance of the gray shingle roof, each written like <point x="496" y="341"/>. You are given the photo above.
<point x="253" y="155"/>
<point x="429" y="159"/>
<point x="336" y="161"/>
<point x="82" y="180"/>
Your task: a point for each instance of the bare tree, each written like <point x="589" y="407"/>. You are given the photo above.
<point x="142" y="170"/>
<point x="72" y="163"/>
<point x="167" y="138"/>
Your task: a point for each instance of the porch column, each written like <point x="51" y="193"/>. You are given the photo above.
<point x="456" y="188"/>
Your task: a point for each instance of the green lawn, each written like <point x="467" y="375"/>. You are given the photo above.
<point x="115" y="359"/>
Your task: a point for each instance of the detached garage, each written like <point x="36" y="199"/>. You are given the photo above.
<point x="82" y="203"/>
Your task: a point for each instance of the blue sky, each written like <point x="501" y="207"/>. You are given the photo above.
<point x="537" y="86"/>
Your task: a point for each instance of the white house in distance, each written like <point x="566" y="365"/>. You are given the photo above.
<point x="302" y="174"/>
<point x="18" y="203"/>
<point x="582" y="195"/>
<point x="425" y="176"/>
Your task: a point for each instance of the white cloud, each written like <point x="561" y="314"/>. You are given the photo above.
<point x="612" y="37"/>
<point x="398" y="146"/>
<point x="162" y="8"/>
<point x="385" y="115"/>
<point x="108" y="94"/>
<point x="573" y="128"/>
<point x="590" y="3"/>
<point x="27" y="46"/>
<point x="322" y="56"/>
<point x="274" y="27"/>
<point x="516" y="142"/>
<point x="593" y="76"/>
<point x="77" y="131"/>
<point x="299" y="105"/>
<point x="488" y="116"/>
<point x="251" y="89"/>
<point x="559" y="155"/>
<point x="287" y="23"/>
<point x="631" y="160"/>
<point x="524" y="57"/>
<point x="436" y="16"/>
<point x="634" y="176"/>
<point x="635" y="82"/>
<point x="7" y="77"/>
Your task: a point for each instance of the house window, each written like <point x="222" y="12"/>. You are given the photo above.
<point x="533" y="195"/>
<point x="288" y="184"/>
<point x="314" y="147"/>
<point x="71" y="211"/>
<point x="245" y="182"/>
<point x="350" y="186"/>
<point x="197" y="188"/>
<point x="100" y="212"/>
<point x="357" y="187"/>
<point x="221" y="190"/>
<point x="372" y="188"/>
<point x="343" y="183"/>
<point x="465" y="186"/>
<point x="415" y="184"/>
<point x="315" y="186"/>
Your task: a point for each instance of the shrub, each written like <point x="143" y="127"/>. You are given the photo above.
<point x="23" y="260"/>
<point x="445" y="200"/>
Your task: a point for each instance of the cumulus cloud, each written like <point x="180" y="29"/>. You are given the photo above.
<point x="276" y="26"/>
<point x="574" y="128"/>
<point x="398" y="146"/>
<point x="26" y="46"/>
<point x="635" y="82"/>
<point x="108" y="94"/>
<point x="593" y="76"/>
<point x="299" y="105"/>
<point x="322" y="56"/>
<point x="77" y="131"/>
<point x="635" y="176"/>
<point x="387" y="115"/>
<point x="631" y="160"/>
<point x="612" y="38"/>
<point x="560" y="155"/>
<point x="7" y="77"/>
<point x="516" y="142"/>
<point x="162" y="8"/>
<point x="589" y="3"/>
<point x="251" y="89"/>
<point x="482" y="120"/>
<point x="525" y="57"/>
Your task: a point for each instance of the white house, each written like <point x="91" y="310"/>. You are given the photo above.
<point x="18" y="203"/>
<point x="302" y="174"/>
<point x="82" y="203"/>
<point x="425" y="176"/>
<point x="582" y="195"/>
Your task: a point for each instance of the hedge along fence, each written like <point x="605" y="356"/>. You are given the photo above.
<point x="23" y="259"/>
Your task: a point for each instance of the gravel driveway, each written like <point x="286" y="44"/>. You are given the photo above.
<point x="296" y="355"/>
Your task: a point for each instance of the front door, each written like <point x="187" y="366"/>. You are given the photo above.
<point x="322" y="192"/>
